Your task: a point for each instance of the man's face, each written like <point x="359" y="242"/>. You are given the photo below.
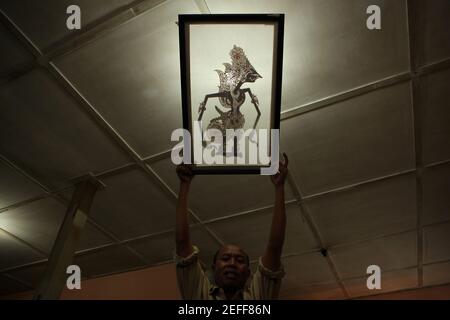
<point x="231" y="269"/>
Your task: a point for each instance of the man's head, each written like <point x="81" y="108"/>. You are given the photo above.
<point x="231" y="267"/>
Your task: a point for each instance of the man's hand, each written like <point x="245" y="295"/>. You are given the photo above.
<point x="185" y="173"/>
<point x="279" y="178"/>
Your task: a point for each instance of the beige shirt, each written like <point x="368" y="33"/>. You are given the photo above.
<point x="194" y="284"/>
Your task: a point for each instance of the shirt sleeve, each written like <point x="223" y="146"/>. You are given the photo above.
<point x="265" y="284"/>
<point x="192" y="281"/>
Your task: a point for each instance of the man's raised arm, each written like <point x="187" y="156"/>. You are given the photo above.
<point x="272" y="256"/>
<point x="182" y="237"/>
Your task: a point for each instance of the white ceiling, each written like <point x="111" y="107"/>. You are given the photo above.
<point x="365" y="122"/>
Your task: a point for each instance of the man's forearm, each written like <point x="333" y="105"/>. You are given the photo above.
<point x="274" y="249"/>
<point x="182" y="237"/>
<point x="278" y="228"/>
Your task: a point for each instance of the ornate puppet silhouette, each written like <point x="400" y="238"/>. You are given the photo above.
<point x="231" y="95"/>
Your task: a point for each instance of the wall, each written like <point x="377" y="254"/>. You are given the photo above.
<point x="159" y="283"/>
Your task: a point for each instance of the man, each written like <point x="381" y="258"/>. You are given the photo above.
<point x="231" y="264"/>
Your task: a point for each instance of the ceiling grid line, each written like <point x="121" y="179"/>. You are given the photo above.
<point x="304" y="212"/>
<point x="132" y="269"/>
<point x="152" y="235"/>
<point x="19" y="34"/>
<point x="98" y="28"/>
<point x="363" y="240"/>
<point x="414" y="60"/>
<point x="246" y="212"/>
<point x="358" y="184"/>
<point x="23" y="266"/>
<point x="437" y="164"/>
<point x="24" y="242"/>
<point x="52" y="193"/>
<point x="157" y="157"/>
<point x="94" y="249"/>
<point x="75" y="41"/>
<point x="433" y="224"/>
<point x="22" y="282"/>
<point x="24" y="174"/>
<point x="25" y="202"/>
<point x="364" y="89"/>
<point x="202" y="6"/>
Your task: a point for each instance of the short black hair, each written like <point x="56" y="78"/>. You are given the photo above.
<point x="247" y="259"/>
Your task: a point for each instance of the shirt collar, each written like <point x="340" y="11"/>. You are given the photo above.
<point x="217" y="292"/>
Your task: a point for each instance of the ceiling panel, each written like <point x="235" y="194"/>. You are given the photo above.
<point x="53" y="138"/>
<point x="155" y="249"/>
<point x="436" y="202"/>
<point x="434" y="111"/>
<point x="390" y="281"/>
<point x="207" y="245"/>
<point x="436" y="239"/>
<point x="15" y="187"/>
<point x="130" y="75"/>
<point x="30" y="275"/>
<point x="37" y="223"/>
<point x="13" y="53"/>
<point x="14" y="253"/>
<point x="308" y="274"/>
<point x="437" y="273"/>
<point x="431" y="32"/>
<point x="108" y="260"/>
<point x="131" y="206"/>
<point x="314" y="268"/>
<point x="213" y="196"/>
<point x="161" y="248"/>
<point x="91" y="237"/>
<point x="362" y="138"/>
<point x="328" y="48"/>
<point x="30" y="15"/>
<point x="140" y="96"/>
<point x="9" y="286"/>
<point x="378" y="208"/>
<point x="299" y="238"/>
<point x="389" y="253"/>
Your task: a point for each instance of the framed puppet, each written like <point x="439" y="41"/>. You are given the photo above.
<point x="231" y="68"/>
